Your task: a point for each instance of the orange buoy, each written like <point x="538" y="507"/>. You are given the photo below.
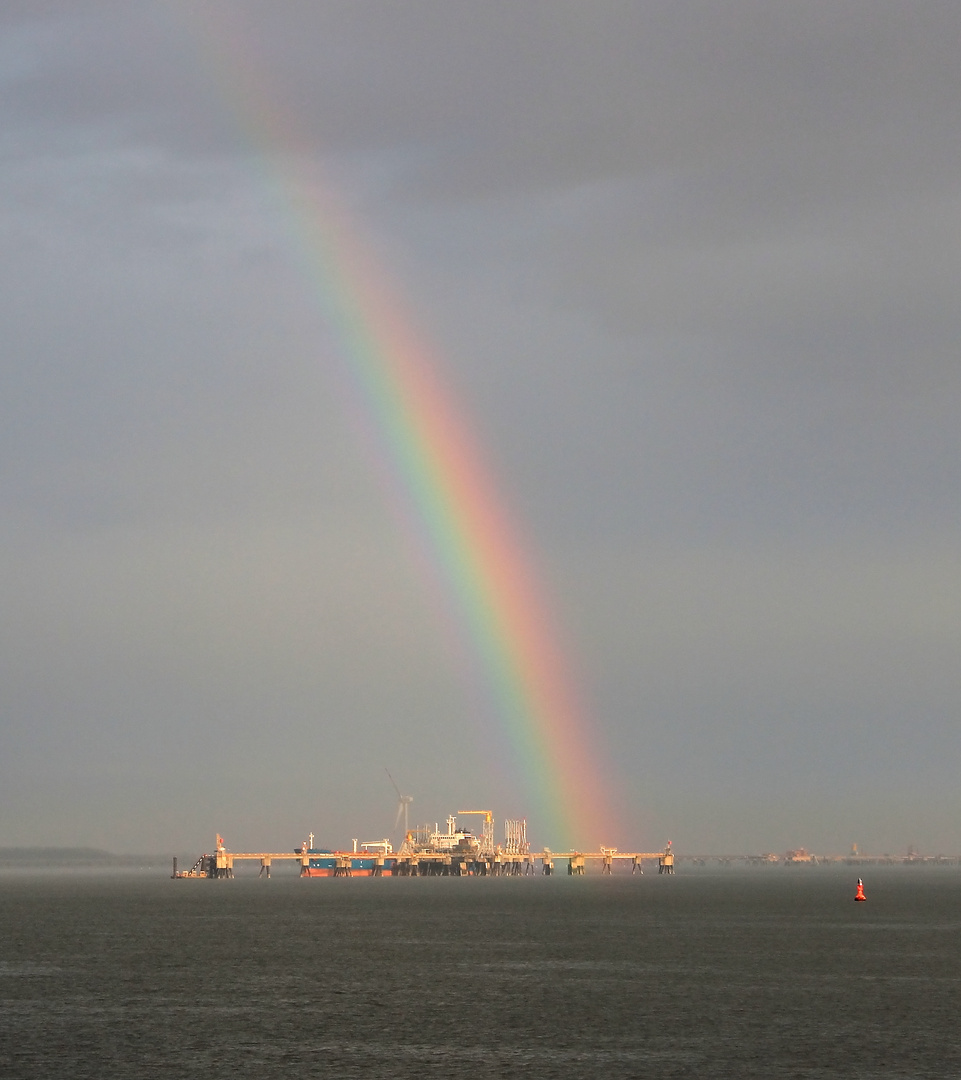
<point x="860" y="893"/>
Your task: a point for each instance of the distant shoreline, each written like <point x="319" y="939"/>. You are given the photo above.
<point x="38" y="858"/>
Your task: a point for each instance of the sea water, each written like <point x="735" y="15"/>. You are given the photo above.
<point x="771" y="972"/>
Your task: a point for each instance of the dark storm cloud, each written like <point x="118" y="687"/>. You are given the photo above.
<point x="692" y="268"/>
<point x="549" y="94"/>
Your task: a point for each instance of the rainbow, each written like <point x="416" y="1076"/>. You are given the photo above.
<point x="435" y="463"/>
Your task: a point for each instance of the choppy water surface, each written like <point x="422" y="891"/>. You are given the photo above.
<point x="773" y="973"/>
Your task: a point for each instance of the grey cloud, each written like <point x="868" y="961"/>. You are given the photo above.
<point x="691" y="269"/>
<point x="551" y="93"/>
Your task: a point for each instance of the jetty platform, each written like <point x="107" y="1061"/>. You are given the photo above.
<point x="317" y="863"/>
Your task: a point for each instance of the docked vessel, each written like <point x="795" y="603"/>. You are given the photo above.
<point x="455" y="848"/>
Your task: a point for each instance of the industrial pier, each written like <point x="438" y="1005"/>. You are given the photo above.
<point x="432" y="852"/>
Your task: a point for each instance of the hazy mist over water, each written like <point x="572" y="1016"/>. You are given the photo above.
<point x="772" y="972"/>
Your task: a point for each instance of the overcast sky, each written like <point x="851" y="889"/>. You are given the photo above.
<point x="691" y="269"/>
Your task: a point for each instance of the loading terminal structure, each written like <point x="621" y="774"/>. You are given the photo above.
<point x="432" y="852"/>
